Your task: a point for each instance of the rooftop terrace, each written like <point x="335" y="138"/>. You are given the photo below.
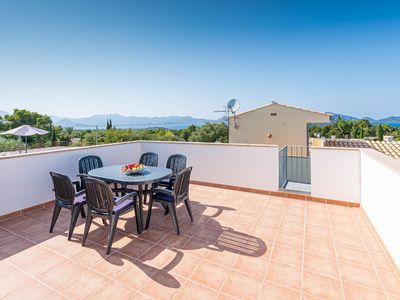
<point x="249" y="240"/>
<point x="241" y="246"/>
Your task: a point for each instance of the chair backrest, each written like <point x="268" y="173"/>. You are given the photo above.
<point x="89" y="163"/>
<point x="149" y="159"/>
<point x="63" y="188"/>
<point x="176" y="163"/>
<point x="99" y="196"/>
<point x="181" y="185"/>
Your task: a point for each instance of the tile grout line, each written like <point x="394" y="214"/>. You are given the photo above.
<point x="335" y="250"/>
<point x="303" y="251"/>
<point x="197" y="265"/>
<point x="273" y="247"/>
<point x="34" y="278"/>
<point x="252" y="227"/>
<point x="204" y="259"/>
<point x="380" y="245"/>
<point x="201" y="260"/>
<point x="230" y="268"/>
<point x="369" y="256"/>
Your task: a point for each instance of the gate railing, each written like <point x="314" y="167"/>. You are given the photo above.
<point x="294" y="165"/>
<point x="283" y="162"/>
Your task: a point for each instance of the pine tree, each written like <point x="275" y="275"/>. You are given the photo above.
<point x="109" y="124"/>
<point x="379" y="132"/>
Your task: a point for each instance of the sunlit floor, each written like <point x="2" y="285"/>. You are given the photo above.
<point x="241" y="246"/>
<point x="299" y="187"/>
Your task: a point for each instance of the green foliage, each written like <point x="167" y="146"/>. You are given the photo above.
<point x="356" y="129"/>
<point x="25" y="117"/>
<point x="109" y="124"/>
<point x="9" y="144"/>
<point x="207" y="133"/>
<point x="211" y="133"/>
<point x="379" y="132"/>
<point x="21" y="117"/>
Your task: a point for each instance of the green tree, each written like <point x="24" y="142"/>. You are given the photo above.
<point x="109" y="124"/>
<point x="187" y="132"/>
<point x="68" y="133"/>
<point x="379" y="132"/>
<point x="25" y="117"/>
<point x="211" y="133"/>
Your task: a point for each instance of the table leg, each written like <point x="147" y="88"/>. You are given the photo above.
<point x="140" y="217"/>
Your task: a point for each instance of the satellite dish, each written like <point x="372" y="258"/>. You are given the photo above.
<point x="230" y="110"/>
<point x="233" y="105"/>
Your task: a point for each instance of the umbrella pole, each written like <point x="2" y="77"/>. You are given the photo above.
<point x="26" y="144"/>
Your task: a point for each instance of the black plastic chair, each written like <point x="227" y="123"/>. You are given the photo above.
<point x="66" y="197"/>
<point x="102" y="203"/>
<point x="171" y="198"/>
<point x="149" y="159"/>
<point x="176" y="163"/>
<point x="86" y="164"/>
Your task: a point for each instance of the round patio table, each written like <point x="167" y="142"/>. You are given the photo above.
<point x="148" y="176"/>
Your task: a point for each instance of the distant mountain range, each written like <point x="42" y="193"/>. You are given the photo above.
<point x="172" y="122"/>
<point x="175" y="122"/>
<point x="119" y="121"/>
<point x="393" y="120"/>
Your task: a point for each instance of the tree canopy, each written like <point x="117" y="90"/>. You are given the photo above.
<point x="355" y="129"/>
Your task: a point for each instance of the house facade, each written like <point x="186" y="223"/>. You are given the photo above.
<point x="275" y="124"/>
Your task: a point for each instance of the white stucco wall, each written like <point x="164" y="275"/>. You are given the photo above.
<point x="25" y="179"/>
<point x="380" y="197"/>
<point x="251" y="166"/>
<point x="335" y="174"/>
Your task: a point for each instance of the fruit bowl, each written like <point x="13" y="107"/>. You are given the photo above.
<point x="132" y="168"/>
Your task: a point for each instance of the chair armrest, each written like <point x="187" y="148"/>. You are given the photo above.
<point x="79" y="193"/>
<point x="82" y="175"/>
<point x="77" y="185"/>
<point x="126" y="197"/>
<point x="164" y="191"/>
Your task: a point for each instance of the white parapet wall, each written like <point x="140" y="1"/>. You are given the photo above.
<point x="25" y="180"/>
<point x="380" y="197"/>
<point x="335" y="174"/>
<point x="250" y="166"/>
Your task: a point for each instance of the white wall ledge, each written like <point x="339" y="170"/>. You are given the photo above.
<point x="72" y="148"/>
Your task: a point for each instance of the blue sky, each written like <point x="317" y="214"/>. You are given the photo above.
<point x="154" y="58"/>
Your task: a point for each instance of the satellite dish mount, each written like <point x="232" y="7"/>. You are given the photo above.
<point x="232" y="107"/>
<point x="230" y="110"/>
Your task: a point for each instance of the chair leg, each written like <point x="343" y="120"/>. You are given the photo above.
<point x="145" y="194"/>
<point x="174" y="217"/>
<point x="189" y="209"/>
<point x="74" y="217"/>
<point x="116" y="188"/>
<point x="111" y="232"/>
<point x="56" y="213"/>
<point x="166" y="209"/>
<point x="87" y="227"/>
<point x="104" y="222"/>
<point x="150" y="208"/>
<point x="83" y="214"/>
<point x="137" y="217"/>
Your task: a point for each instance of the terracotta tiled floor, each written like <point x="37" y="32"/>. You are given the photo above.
<point x="241" y="245"/>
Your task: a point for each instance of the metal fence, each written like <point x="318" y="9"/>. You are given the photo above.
<point x="294" y="165"/>
<point x="283" y="161"/>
